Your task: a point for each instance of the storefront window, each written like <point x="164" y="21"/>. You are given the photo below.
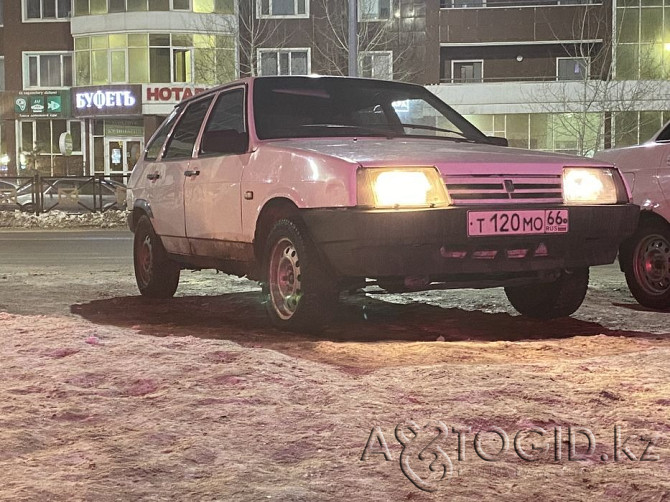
<point x="39" y="148"/>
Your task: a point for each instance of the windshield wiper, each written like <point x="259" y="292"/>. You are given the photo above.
<point x="463" y="137"/>
<point x="376" y="132"/>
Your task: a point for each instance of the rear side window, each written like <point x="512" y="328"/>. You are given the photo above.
<point x="180" y="145"/>
<point x="156" y="143"/>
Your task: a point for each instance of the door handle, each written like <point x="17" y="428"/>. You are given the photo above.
<point x="190" y="173"/>
<point x="153" y="176"/>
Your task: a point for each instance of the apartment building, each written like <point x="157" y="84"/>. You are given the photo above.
<point x="563" y="75"/>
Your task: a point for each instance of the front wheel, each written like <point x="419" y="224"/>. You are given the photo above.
<point x="157" y="276"/>
<point x="645" y="259"/>
<point x="560" y="298"/>
<point x="300" y="292"/>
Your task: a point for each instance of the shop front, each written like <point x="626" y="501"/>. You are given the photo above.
<point x="40" y="119"/>
<point x="114" y="127"/>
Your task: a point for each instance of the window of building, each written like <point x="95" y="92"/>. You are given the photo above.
<point x="47" y="9"/>
<point x="372" y="10"/>
<point x="573" y="133"/>
<point x="283" y="61"/>
<point x="458" y="4"/>
<point x="283" y="8"/>
<point x="376" y="64"/>
<point x="640" y="51"/>
<point x="572" y="68"/>
<point x="155" y="58"/>
<point x="467" y="71"/>
<point x="2" y="73"/>
<point x="47" y="70"/>
<point x="39" y="149"/>
<point x="2" y="12"/>
<point x="87" y="7"/>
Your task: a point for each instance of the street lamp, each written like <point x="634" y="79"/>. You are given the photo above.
<point x="353" y="38"/>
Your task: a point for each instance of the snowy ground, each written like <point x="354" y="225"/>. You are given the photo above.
<point x="59" y="219"/>
<point x="108" y="396"/>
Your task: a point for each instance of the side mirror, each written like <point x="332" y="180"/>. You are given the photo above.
<point x="497" y="140"/>
<point x="221" y="142"/>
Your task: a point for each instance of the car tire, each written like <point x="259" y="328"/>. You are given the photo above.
<point x="560" y="298"/>
<point x="645" y="260"/>
<point x="300" y="293"/>
<point x="157" y="276"/>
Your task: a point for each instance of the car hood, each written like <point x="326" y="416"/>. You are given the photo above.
<point x="450" y="157"/>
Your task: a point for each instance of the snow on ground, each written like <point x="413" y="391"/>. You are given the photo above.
<point x="61" y="219"/>
<point x="108" y="396"/>
<point x="192" y="399"/>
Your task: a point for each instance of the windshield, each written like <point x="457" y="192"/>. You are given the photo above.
<point x="307" y="107"/>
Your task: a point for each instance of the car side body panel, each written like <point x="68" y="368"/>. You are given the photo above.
<point x="646" y="170"/>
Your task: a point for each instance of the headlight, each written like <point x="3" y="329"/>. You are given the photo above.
<point x="589" y="185"/>
<point x="401" y="187"/>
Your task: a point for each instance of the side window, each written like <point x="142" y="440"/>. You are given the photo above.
<point x="228" y="112"/>
<point x="226" y="125"/>
<point x="180" y="145"/>
<point x="156" y="143"/>
<point x="664" y="135"/>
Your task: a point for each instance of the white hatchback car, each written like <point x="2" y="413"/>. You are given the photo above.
<point x="313" y="184"/>
<point x="645" y="257"/>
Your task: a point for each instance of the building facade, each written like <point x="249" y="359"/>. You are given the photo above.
<point x="572" y="76"/>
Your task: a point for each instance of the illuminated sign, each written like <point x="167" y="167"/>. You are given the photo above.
<point x="107" y="99"/>
<point x="42" y="104"/>
<point x="171" y="94"/>
<point x="110" y="100"/>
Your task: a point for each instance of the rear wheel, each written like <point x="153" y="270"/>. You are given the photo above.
<point x="300" y="292"/>
<point x="560" y="298"/>
<point x="157" y="276"/>
<point x="645" y="259"/>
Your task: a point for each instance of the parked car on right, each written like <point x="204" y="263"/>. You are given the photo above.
<point x="645" y="256"/>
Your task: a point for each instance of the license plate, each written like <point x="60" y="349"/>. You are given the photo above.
<point x="525" y="222"/>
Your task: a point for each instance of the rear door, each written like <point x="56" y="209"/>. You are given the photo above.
<point x="166" y="177"/>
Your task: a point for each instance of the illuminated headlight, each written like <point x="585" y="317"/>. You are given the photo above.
<point x="588" y="185"/>
<point x="401" y="187"/>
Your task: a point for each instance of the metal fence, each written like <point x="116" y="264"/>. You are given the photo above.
<point x="73" y="194"/>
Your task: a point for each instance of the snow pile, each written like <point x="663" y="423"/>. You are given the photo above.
<point x="61" y="219"/>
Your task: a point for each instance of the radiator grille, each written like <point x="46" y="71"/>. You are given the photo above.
<point x="521" y="189"/>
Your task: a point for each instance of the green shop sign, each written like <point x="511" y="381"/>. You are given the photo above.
<point x="42" y="104"/>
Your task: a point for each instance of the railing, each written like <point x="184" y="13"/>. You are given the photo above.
<point x="73" y="194"/>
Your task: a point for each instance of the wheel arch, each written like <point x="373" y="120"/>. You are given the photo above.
<point x="647" y="216"/>
<point x="141" y="208"/>
<point x="274" y="210"/>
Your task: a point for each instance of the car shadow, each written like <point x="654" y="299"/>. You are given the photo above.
<point x="241" y="317"/>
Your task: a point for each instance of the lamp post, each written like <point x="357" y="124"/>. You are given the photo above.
<point x="353" y="38"/>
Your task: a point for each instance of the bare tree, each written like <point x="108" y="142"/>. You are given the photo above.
<point x="247" y="32"/>
<point x="384" y="50"/>
<point x="582" y="108"/>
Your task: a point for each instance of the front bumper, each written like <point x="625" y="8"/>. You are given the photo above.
<point x="435" y="243"/>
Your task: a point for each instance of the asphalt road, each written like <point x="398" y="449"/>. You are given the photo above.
<point x="48" y="272"/>
<point x="66" y="248"/>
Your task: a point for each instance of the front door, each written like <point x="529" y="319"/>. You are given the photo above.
<point x="212" y="196"/>
<point x="121" y="154"/>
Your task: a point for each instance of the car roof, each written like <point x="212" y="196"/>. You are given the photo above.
<point x="248" y="80"/>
